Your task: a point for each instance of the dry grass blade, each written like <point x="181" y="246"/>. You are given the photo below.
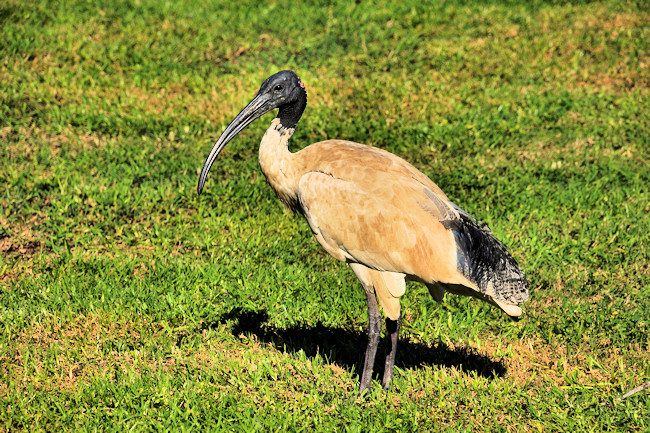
<point x="634" y="391"/>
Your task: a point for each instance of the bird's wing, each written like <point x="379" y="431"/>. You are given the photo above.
<point x="382" y="227"/>
<point x="382" y="212"/>
<point x="486" y="261"/>
<point x="481" y="257"/>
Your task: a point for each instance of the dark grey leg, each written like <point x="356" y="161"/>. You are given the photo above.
<point x="392" y="327"/>
<point x="374" y="331"/>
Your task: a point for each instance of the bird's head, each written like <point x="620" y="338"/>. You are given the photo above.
<point x="283" y="90"/>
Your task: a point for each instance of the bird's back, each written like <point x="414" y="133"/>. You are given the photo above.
<point x="369" y="167"/>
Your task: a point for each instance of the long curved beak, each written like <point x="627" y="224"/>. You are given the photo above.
<point x="255" y="109"/>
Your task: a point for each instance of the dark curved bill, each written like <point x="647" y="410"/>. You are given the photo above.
<point x="256" y="108"/>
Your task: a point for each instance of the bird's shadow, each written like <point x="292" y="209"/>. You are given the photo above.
<point x="346" y="348"/>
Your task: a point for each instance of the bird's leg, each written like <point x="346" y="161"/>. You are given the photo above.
<point x="392" y="327"/>
<point x="374" y="332"/>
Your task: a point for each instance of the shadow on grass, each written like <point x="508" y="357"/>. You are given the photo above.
<point x="346" y="348"/>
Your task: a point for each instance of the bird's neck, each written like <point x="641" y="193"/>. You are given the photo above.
<point x="290" y="114"/>
<point x="277" y="163"/>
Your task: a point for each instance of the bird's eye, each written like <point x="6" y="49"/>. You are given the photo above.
<point x="277" y="87"/>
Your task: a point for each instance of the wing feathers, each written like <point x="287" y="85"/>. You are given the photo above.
<point x="369" y="206"/>
<point x="485" y="261"/>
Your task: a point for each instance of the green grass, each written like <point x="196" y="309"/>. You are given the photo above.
<point x="129" y="302"/>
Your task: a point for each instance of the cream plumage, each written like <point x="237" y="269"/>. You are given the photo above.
<point x="379" y="214"/>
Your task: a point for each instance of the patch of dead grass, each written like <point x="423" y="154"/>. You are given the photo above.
<point x="22" y="238"/>
<point x="59" y="355"/>
<point x="77" y="349"/>
<point x="533" y="362"/>
<point x="559" y="155"/>
<point x="26" y="141"/>
<point x="22" y="241"/>
<point x="55" y="355"/>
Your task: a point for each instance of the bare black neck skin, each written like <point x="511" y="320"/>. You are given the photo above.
<point x="289" y="114"/>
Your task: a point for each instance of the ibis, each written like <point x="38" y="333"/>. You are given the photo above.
<point x="379" y="214"/>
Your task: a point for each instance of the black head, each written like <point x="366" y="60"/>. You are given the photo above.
<point x="283" y="90"/>
<point x="287" y="92"/>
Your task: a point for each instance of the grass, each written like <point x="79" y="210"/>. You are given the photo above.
<point x="128" y="302"/>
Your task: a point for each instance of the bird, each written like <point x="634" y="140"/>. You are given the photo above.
<point x="379" y="214"/>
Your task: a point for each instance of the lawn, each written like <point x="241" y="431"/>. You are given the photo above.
<point x="128" y="302"/>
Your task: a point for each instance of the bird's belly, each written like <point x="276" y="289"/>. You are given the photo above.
<point x="429" y="257"/>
